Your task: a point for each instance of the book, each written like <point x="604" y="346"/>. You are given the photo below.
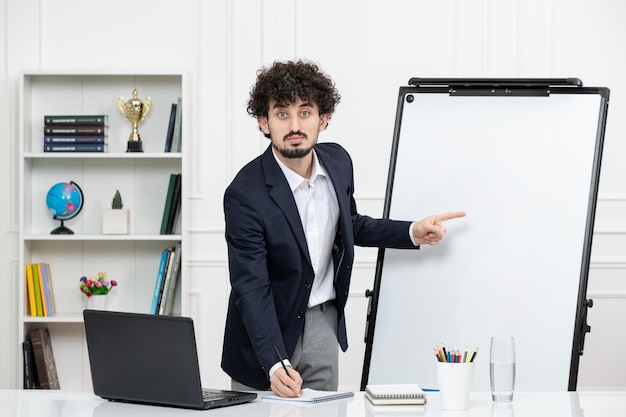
<point x="47" y="375"/>
<point x="30" y="378"/>
<point x="45" y="268"/>
<point x="395" y="410"/>
<point x="47" y="293"/>
<point x="175" y="207"/>
<point x="37" y="290"/>
<point x="168" y="203"/>
<point x="170" y="291"/>
<point x="158" y="284"/>
<point x="178" y="122"/>
<point x="380" y="394"/>
<point x="30" y="288"/>
<point x="170" y="129"/>
<point x="42" y="289"/>
<point x="83" y="119"/>
<point x="64" y="139"/>
<point x="166" y="281"/>
<point x="312" y="396"/>
<point x="76" y="130"/>
<point x="76" y="147"/>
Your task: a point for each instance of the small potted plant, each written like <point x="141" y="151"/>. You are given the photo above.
<point x="96" y="289"/>
<point x="116" y="220"/>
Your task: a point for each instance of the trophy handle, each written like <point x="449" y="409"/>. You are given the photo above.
<point x="121" y="104"/>
<point x="147" y="105"/>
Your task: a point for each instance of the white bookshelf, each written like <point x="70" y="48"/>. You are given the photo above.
<point x="141" y="178"/>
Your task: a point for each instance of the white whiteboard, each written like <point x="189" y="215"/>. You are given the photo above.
<point x="525" y="169"/>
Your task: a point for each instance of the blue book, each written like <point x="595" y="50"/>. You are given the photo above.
<point x="75" y="147"/>
<point x="72" y="139"/>
<point x="158" y="286"/>
<point x="45" y="279"/>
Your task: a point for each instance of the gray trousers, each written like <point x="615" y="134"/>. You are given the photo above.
<point x="316" y="357"/>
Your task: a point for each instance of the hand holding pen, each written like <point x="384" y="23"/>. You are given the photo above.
<point x="285" y="382"/>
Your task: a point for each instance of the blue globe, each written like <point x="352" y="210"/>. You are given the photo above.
<point x="64" y="200"/>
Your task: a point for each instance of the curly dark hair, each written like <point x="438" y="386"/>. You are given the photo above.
<point x="285" y="82"/>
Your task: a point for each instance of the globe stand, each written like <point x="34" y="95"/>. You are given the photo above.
<point x="62" y="230"/>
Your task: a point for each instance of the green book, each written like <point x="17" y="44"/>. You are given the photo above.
<point x="38" y="301"/>
<point x="175" y="207"/>
<point x="169" y="197"/>
<point x="81" y="119"/>
<point x="178" y="126"/>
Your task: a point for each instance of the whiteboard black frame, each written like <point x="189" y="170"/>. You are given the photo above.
<point x="499" y="88"/>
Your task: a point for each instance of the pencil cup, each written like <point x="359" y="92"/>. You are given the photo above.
<point x="502" y="368"/>
<point x="455" y="384"/>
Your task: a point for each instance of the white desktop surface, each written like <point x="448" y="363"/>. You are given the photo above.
<point x="44" y="403"/>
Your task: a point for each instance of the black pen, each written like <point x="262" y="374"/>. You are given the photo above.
<point x="280" y="358"/>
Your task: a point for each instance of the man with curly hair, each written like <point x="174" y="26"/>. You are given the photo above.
<point x="291" y="227"/>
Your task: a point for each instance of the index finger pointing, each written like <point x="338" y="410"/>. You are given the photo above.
<point x="451" y="215"/>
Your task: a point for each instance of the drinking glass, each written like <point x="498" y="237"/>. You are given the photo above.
<point x="502" y="368"/>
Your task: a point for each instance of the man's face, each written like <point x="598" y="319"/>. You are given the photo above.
<point x="294" y="127"/>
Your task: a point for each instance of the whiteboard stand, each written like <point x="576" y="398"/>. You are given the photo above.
<point x="522" y="157"/>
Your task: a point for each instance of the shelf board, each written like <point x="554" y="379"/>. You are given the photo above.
<point x="102" y="155"/>
<point x="98" y="237"/>
<point x="57" y="318"/>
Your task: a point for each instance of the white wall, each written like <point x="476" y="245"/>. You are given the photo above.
<point x="370" y="48"/>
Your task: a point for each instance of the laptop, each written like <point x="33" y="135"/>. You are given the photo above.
<point x="149" y="359"/>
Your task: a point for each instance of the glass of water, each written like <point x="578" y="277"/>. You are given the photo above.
<point x="502" y="368"/>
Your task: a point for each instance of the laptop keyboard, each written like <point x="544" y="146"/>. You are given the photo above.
<point x="211" y="396"/>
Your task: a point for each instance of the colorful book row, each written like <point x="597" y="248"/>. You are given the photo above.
<point x="39" y="288"/>
<point x="75" y="133"/>
<point x="166" y="282"/>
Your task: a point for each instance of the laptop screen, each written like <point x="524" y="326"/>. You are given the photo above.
<point x="145" y="358"/>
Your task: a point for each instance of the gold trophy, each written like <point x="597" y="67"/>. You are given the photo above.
<point x="135" y="110"/>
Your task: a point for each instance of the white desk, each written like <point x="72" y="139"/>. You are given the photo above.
<point x="43" y="403"/>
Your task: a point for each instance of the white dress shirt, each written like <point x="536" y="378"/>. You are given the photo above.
<point x="319" y="213"/>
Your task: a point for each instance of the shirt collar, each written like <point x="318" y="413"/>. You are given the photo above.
<point x="296" y="180"/>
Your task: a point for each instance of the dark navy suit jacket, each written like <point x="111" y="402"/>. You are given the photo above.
<point x="270" y="271"/>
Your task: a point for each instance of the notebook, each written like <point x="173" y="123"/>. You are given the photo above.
<point x="395" y="394"/>
<point x="149" y="359"/>
<point x="312" y="396"/>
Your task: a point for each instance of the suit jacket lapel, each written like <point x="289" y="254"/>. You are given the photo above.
<point x="282" y="195"/>
<point x="338" y="178"/>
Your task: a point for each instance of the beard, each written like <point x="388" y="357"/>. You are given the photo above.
<point x="294" y="153"/>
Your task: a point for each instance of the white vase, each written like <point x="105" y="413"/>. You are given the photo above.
<point x="97" y="302"/>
